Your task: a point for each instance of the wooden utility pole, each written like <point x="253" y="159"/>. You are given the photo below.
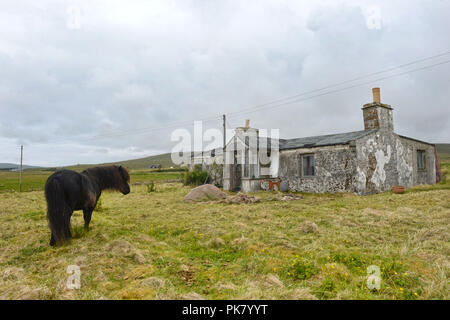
<point x="20" y="176"/>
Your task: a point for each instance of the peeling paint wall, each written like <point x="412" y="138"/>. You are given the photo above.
<point x="384" y="159"/>
<point x="334" y="169"/>
<point x="376" y="162"/>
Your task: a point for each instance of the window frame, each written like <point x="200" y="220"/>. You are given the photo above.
<point x="423" y="158"/>
<point x="304" y="156"/>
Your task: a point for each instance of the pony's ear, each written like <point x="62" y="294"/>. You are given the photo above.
<point x="120" y="168"/>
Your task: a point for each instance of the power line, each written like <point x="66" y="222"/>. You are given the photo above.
<point x="354" y="79"/>
<point x="260" y="106"/>
<point x="263" y="107"/>
<point x="283" y="101"/>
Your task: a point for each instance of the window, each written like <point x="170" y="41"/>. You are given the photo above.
<point x="308" y="165"/>
<point x="420" y="159"/>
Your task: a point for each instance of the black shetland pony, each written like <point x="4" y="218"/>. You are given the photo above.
<point x="67" y="190"/>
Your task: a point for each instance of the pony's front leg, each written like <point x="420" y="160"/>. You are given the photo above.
<point x="87" y="214"/>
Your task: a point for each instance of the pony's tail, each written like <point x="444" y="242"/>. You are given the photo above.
<point x="57" y="213"/>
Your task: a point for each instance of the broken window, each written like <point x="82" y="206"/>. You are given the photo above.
<point x="420" y="159"/>
<point x="308" y="165"/>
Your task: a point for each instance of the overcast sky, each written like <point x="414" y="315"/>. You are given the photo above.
<point x="80" y="80"/>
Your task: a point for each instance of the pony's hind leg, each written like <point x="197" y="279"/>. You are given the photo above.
<point x="87" y="214"/>
<point x="52" y="240"/>
<point x="67" y="231"/>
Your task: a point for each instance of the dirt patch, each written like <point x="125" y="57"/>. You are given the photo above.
<point x="290" y="197"/>
<point x="186" y="275"/>
<point x="206" y="192"/>
<point x="241" y="198"/>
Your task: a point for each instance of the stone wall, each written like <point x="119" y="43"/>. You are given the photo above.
<point x="335" y="168"/>
<point x="419" y="176"/>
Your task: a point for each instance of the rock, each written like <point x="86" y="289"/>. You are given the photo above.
<point x="273" y="280"/>
<point x="206" y="192"/>
<point x="308" y="227"/>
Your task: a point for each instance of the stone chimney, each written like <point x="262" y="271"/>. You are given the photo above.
<point x="247" y="123"/>
<point x="376" y="95"/>
<point x="377" y="115"/>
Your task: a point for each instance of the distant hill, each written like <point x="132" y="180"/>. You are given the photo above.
<point x="163" y="159"/>
<point x="10" y="166"/>
<point x="443" y="150"/>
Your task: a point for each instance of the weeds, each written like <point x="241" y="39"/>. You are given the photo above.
<point x="151" y="187"/>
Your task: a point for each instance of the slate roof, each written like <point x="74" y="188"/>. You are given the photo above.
<point x="315" y="141"/>
<point x="326" y="140"/>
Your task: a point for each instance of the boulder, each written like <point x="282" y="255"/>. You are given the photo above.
<point x="206" y="192"/>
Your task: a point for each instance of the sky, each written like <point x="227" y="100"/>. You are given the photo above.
<point x="101" y="81"/>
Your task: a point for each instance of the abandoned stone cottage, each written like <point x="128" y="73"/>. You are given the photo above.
<point x="365" y="162"/>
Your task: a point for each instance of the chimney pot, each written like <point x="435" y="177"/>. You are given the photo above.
<point x="376" y="95"/>
<point x="247" y="123"/>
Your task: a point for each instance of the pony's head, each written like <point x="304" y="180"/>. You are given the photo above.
<point x="111" y="177"/>
<point x="124" y="181"/>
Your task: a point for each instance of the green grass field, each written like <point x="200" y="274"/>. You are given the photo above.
<point x="156" y="246"/>
<point x="34" y="180"/>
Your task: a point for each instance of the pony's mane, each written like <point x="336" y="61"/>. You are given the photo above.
<point x="108" y="177"/>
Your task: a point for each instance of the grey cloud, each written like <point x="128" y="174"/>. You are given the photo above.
<point x="146" y="65"/>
